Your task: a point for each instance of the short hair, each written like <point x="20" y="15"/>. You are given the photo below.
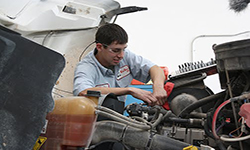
<point x="110" y="33"/>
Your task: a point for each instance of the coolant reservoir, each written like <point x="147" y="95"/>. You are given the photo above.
<point x="70" y="124"/>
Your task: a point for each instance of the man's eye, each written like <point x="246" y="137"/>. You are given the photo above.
<point x="116" y="50"/>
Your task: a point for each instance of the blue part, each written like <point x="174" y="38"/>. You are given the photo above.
<point x="130" y="99"/>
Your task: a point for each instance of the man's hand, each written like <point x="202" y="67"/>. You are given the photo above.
<point x="158" y="78"/>
<point x="161" y="95"/>
<point x="146" y="96"/>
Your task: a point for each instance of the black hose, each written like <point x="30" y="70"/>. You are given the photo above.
<point x="200" y="103"/>
<point x="208" y="133"/>
<point x="207" y="130"/>
<point x="136" y="138"/>
<point x="220" y="145"/>
<point x="179" y="120"/>
<point x="198" y="115"/>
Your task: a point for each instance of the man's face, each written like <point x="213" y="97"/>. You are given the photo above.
<point x="110" y="55"/>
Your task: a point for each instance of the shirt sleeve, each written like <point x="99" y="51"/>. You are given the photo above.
<point x="139" y="66"/>
<point x="83" y="78"/>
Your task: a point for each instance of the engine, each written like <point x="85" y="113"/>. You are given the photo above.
<point x="194" y="117"/>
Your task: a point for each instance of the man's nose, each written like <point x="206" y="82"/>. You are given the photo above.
<point x="121" y="54"/>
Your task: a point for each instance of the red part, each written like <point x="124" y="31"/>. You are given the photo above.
<point x="228" y="120"/>
<point x="168" y="87"/>
<point x="136" y="82"/>
<point x="245" y="112"/>
<point x="165" y="70"/>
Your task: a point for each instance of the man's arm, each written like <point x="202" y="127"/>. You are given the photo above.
<point x="158" y="78"/>
<point x="106" y="90"/>
<point x="158" y="97"/>
<point x="144" y="95"/>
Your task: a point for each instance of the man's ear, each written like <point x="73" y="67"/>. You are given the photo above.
<point x="99" y="46"/>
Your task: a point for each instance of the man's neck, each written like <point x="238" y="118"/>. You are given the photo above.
<point x="101" y="62"/>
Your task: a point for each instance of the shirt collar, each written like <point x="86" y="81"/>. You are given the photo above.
<point x="103" y="69"/>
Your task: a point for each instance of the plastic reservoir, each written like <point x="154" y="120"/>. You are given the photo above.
<point x="70" y="124"/>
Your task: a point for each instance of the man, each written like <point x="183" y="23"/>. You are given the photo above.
<point x="111" y="67"/>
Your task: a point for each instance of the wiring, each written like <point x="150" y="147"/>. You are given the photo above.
<point x="230" y="134"/>
<point x="215" y="117"/>
<point x="142" y="120"/>
<point x="226" y="139"/>
<point x="63" y="90"/>
<point x="218" y="129"/>
<point x="243" y="97"/>
<point x="85" y="50"/>
<point x="57" y="94"/>
<point x="47" y="36"/>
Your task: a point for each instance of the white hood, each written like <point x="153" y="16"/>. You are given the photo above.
<point x="31" y="15"/>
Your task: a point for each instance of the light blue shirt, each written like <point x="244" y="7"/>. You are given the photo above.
<point x="90" y="73"/>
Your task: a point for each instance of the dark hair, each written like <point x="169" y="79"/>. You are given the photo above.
<point x="109" y="33"/>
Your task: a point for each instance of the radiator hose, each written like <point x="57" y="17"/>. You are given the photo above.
<point x="134" y="137"/>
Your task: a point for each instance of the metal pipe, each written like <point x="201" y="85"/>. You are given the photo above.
<point x="203" y="36"/>
<point x="232" y="105"/>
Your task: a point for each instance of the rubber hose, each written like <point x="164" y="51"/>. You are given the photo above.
<point x="141" y="126"/>
<point x="128" y="120"/>
<point x="158" y="120"/>
<point x="136" y="138"/>
<point x="200" y="103"/>
<point x="112" y="112"/>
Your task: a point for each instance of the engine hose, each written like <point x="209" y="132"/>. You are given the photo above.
<point x="198" y="115"/>
<point x="141" y="120"/>
<point x="158" y="120"/>
<point x="200" y="103"/>
<point x="168" y="114"/>
<point x="208" y="133"/>
<point x="207" y="129"/>
<point x="190" y="121"/>
<point x="134" y="137"/>
<point x="179" y="120"/>
<point x="112" y="112"/>
<point x="141" y="126"/>
<point x="220" y="145"/>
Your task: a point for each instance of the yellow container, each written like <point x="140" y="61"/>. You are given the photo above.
<point x="71" y="123"/>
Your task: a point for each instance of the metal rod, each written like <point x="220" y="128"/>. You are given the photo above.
<point x="232" y="105"/>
